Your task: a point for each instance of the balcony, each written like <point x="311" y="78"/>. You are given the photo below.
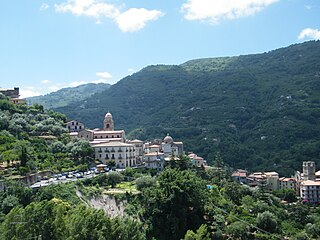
<point x="112" y="150"/>
<point x="119" y="150"/>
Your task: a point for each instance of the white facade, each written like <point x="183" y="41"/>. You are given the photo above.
<point x="310" y="191"/>
<point x="154" y="160"/>
<point x="138" y="150"/>
<point x="122" y="153"/>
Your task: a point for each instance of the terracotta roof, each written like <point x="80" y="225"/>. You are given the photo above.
<point x="239" y="174"/>
<point x="284" y="179"/>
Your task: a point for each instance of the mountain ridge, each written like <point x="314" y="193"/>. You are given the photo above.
<point x="257" y="109"/>
<point x="68" y="95"/>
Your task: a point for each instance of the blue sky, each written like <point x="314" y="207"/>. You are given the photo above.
<point x="51" y="44"/>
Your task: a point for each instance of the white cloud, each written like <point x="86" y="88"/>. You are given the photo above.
<point x="135" y="19"/>
<point x="131" y="20"/>
<point x="44" y="7"/>
<point x="89" y="8"/>
<point x="309" y="33"/>
<point x="130" y="70"/>
<point x="29" y="92"/>
<point x="215" y="11"/>
<point x="104" y="75"/>
<point x="45" y="81"/>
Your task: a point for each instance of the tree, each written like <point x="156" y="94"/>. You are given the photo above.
<point x="201" y="234"/>
<point x="145" y="182"/>
<point x="8" y="203"/>
<point x="114" y="178"/>
<point x="175" y="204"/>
<point x="238" y="230"/>
<point x="267" y="221"/>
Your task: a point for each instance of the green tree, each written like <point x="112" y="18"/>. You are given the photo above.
<point x="144" y="182"/>
<point x="175" y="204"/>
<point x="267" y="221"/>
<point x="114" y="178"/>
<point x="238" y="230"/>
<point x="201" y="234"/>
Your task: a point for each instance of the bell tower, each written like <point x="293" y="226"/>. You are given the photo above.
<point x="108" y="122"/>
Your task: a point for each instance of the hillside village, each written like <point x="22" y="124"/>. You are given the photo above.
<point x="113" y="150"/>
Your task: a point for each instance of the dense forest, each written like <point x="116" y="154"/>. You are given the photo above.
<point x="260" y="111"/>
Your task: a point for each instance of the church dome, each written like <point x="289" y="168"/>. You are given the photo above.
<point x="108" y="115"/>
<point x="168" y="139"/>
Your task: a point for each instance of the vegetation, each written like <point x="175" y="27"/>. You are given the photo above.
<point x="176" y="204"/>
<point x="261" y="112"/>
<point x="67" y="96"/>
<point x="32" y="139"/>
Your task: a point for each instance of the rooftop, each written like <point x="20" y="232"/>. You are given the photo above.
<point x="114" y="144"/>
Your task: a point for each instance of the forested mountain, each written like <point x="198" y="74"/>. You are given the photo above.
<point x="260" y="111"/>
<point x="68" y="96"/>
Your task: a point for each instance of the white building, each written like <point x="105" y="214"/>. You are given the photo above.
<point x="138" y="145"/>
<point x="154" y="160"/>
<point x="123" y="154"/>
<point x="310" y="191"/>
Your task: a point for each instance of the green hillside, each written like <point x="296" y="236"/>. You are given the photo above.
<point x="68" y="96"/>
<point x="260" y="111"/>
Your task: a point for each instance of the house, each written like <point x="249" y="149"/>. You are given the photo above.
<point x="272" y="179"/>
<point x="14" y="95"/>
<point x="310" y="191"/>
<point x="154" y="160"/>
<point x="74" y="126"/>
<point x="288" y="183"/>
<point x="240" y="176"/>
<point x="197" y="161"/>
